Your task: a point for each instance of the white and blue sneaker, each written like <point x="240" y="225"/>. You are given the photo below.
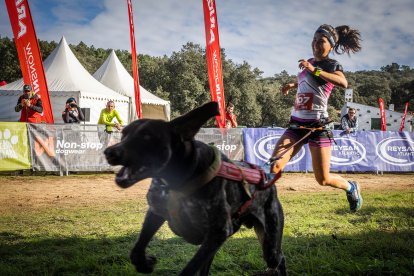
<point x="354" y="197"/>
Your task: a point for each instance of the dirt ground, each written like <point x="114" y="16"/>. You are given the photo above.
<point x="23" y="192"/>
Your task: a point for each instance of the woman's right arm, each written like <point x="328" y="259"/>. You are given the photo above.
<point x="65" y="116"/>
<point x="287" y="87"/>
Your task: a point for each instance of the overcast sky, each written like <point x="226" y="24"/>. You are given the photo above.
<point x="268" y="34"/>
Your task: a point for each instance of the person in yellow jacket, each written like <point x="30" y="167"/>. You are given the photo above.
<point x="108" y="114"/>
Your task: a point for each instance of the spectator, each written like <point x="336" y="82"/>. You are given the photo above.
<point x="72" y="113"/>
<point x="30" y="105"/>
<point x="313" y="87"/>
<point x="108" y="114"/>
<point x="231" y="118"/>
<point x="349" y="122"/>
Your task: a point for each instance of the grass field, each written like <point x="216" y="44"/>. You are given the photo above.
<point x="93" y="237"/>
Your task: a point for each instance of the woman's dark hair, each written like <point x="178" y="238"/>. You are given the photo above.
<point x="71" y="100"/>
<point x="347" y="40"/>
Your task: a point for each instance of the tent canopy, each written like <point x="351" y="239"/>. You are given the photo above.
<point x="114" y="75"/>
<point x="66" y="77"/>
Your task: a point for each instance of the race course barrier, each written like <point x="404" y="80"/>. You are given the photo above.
<point x="68" y="148"/>
<point x="363" y="151"/>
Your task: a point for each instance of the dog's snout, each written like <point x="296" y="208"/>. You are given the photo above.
<point x="113" y="155"/>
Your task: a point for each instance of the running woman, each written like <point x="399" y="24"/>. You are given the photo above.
<point x="314" y="86"/>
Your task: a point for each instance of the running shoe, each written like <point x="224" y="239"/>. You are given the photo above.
<point x="354" y="197"/>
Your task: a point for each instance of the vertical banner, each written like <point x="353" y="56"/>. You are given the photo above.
<point x="28" y="51"/>
<point x="134" y="62"/>
<point x="403" y="118"/>
<point x="382" y="113"/>
<point x="215" y="76"/>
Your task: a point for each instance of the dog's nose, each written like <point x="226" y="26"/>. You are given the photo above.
<point x="113" y="155"/>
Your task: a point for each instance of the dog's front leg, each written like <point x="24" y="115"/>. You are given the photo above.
<point x="143" y="263"/>
<point x="220" y="228"/>
<point x="204" y="257"/>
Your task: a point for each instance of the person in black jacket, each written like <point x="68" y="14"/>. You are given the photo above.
<point x="72" y="113"/>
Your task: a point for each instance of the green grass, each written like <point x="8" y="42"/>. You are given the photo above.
<point x="320" y="238"/>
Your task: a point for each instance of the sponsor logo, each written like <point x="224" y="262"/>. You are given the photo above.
<point x="210" y="4"/>
<point x="7" y="142"/>
<point x="263" y="149"/>
<point x="347" y="152"/>
<point x="224" y="147"/>
<point x="48" y="146"/>
<point x="396" y="151"/>
<point x="32" y="67"/>
<point x="66" y="148"/>
<point x="21" y="15"/>
<point x="44" y="145"/>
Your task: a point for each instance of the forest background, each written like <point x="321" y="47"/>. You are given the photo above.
<point x="182" y="79"/>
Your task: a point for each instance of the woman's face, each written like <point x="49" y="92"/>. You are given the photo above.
<point x="320" y="46"/>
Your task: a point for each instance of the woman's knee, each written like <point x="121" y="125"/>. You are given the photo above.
<point x="277" y="167"/>
<point x="323" y="180"/>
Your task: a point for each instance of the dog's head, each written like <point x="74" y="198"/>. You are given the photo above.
<point x="147" y="145"/>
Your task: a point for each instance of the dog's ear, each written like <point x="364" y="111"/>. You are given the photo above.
<point x="190" y="123"/>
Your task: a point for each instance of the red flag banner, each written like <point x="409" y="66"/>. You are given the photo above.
<point x="382" y="113"/>
<point x="215" y="76"/>
<point x="29" y="54"/>
<point x="403" y="118"/>
<point x="134" y="62"/>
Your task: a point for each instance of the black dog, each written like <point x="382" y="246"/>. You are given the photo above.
<point x="199" y="206"/>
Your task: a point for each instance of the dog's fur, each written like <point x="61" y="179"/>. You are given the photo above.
<point x="205" y="215"/>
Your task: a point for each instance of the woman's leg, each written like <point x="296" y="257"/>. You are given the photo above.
<point x="321" y="158"/>
<point x="284" y="142"/>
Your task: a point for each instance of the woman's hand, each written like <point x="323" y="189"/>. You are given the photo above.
<point x="287" y="87"/>
<point x="304" y="64"/>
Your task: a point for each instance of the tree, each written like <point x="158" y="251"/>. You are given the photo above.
<point x="182" y="79"/>
<point x="241" y="87"/>
<point x="187" y="79"/>
<point x="9" y="63"/>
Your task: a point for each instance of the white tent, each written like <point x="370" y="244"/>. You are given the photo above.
<point x="114" y="75"/>
<point x="66" y="77"/>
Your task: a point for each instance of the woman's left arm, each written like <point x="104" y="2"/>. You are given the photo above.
<point x="336" y="78"/>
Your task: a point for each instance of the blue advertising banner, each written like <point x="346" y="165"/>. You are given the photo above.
<point x="362" y="151"/>
<point x="259" y="144"/>
<point x="394" y="151"/>
<point x="351" y="152"/>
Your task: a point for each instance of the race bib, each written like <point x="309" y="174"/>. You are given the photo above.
<point x="304" y="101"/>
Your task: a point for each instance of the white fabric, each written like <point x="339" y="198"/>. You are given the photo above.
<point x="66" y="77"/>
<point x="114" y="75"/>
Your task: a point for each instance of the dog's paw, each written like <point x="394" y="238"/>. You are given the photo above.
<point x="145" y="265"/>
